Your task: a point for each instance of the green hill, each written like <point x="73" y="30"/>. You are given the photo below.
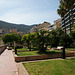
<point x="19" y="27"/>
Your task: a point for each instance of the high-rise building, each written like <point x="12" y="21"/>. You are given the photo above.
<point x="68" y="20"/>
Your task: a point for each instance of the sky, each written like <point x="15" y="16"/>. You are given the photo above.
<point x="29" y="11"/>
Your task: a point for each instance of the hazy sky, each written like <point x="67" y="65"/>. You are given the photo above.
<point x="29" y="11"/>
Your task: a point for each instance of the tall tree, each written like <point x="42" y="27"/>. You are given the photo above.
<point x="64" y="6"/>
<point x="61" y="11"/>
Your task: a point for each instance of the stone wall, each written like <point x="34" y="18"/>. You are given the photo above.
<point x="41" y="57"/>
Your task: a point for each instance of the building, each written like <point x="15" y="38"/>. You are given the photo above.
<point x="5" y="30"/>
<point x="51" y="27"/>
<point x="68" y="20"/>
<point x="43" y="26"/>
<point x="0" y="31"/>
<point x="12" y="30"/>
<point x="34" y="29"/>
<point x="46" y="26"/>
<point x="21" y="33"/>
<point x="57" y="23"/>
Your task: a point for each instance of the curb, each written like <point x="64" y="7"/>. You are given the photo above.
<point x="21" y="69"/>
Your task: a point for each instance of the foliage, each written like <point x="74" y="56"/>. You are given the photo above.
<point x="10" y="38"/>
<point x="28" y="38"/>
<point x="61" y="11"/>
<point x="73" y="35"/>
<point x="61" y="38"/>
<point x="55" y="37"/>
<point x="66" y="40"/>
<point x="64" y="6"/>
<point x="42" y="40"/>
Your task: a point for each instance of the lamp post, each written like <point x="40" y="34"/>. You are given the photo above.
<point x="63" y="52"/>
<point x="63" y="48"/>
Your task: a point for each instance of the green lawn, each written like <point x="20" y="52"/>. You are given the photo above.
<point x="23" y="49"/>
<point x="70" y="48"/>
<point x="27" y="49"/>
<point x="29" y="53"/>
<point x="51" y="67"/>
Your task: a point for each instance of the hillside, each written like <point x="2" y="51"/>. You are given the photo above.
<point x="19" y="27"/>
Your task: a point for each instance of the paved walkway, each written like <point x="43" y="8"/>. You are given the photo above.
<point x="7" y="64"/>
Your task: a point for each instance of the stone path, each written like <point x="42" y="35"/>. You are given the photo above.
<point x="7" y="64"/>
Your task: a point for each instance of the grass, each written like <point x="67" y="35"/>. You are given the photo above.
<point x="37" y="53"/>
<point x="27" y="49"/>
<point x="23" y="49"/>
<point x="51" y="67"/>
<point x="70" y="48"/>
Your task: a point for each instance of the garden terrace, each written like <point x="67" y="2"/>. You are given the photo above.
<point x="51" y="67"/>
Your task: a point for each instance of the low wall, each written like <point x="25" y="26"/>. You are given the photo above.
<point x="70" y="50"/>
<point x="2" y="48"/>
<point x="41" y="57"/>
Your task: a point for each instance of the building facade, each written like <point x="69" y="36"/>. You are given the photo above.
<point x="12" y="30"/>
<point x="68" y="20"/>
<point x="57" y="23"/>
<point x="43" y="26"/>
<point x="51" y="27"/>
<point x="0" y="31"/>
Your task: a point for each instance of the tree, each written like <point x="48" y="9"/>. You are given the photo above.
<point x="67" y="4"/>
<point x="28" y="38"/>
<point x="64" y="6"/>
<point x="73" y="35"/>
<point x="42" y="40"/>
<point x="61" y="11"/>
<point x="66" y="40"/>
<point x="10" y="38"/>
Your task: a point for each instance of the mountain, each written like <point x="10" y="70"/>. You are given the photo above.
<point x="20" y="27"/>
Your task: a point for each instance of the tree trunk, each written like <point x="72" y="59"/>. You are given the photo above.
<point x="15" y="50"/>
<point x="42" y="48"/>
<point x="30" y="47"/>
<point x="10" y="44"/>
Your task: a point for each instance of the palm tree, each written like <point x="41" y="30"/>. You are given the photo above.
<point x="61" y="11"/>
<point x="42" y="40"/>
<point x="64" y="6"/>
<point x="67" y="4"/>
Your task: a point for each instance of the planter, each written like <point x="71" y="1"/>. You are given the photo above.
<point x="41" y="57"/>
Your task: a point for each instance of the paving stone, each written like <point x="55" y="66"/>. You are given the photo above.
<point x="7" y="64"/>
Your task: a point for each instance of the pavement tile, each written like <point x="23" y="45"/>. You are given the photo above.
<point x="7" y="64"/>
